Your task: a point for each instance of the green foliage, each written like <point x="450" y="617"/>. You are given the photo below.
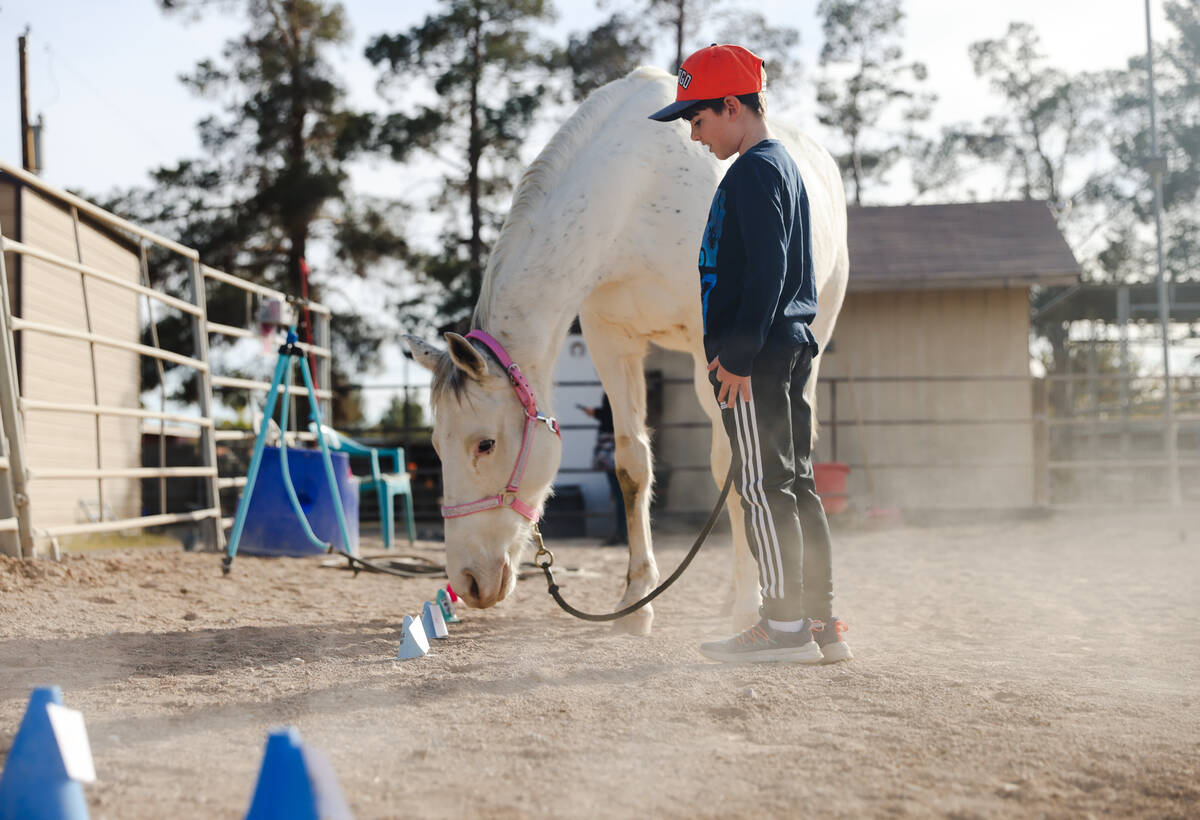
<point x="273" y="177"/>
<point x="606" y="53"/>
<point x="866" y="80"/>
<point x="1049" y="118"/>
<point x="725" y="21"/>
<point x="681" y="18"/>
<point x="1129" y="253"/>
<point x="490" y="72"/>
<point x="775" y="44"/>
<point x="401" y="414"/>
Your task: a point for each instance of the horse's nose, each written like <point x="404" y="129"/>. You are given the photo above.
<point x="481" y="589"/>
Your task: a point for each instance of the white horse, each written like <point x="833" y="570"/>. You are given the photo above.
<point x="605" y="225"/>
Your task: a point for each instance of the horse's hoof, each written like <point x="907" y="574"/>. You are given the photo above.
<point x="638" y="623"/>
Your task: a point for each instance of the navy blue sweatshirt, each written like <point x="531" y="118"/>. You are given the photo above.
<point x="756" y="272"/>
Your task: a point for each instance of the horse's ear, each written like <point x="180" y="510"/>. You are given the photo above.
<point x="425" y="354"/>
<point x="468" y="359"/>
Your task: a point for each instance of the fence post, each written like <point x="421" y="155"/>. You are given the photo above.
<point x="1041" y="442"/>
<point x="325" y="364"/>
<point x="14" y="496"/>
<point x="208" y="445"/>
<point x="87" y="316"/>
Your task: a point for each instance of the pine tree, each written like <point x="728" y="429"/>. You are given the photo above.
<point x="866" y="80"/>
<point x="606" y="53"/>
<point x="274" y="176"/>
<point x="491" y="73"/>
<point x="1129" y="253"/>
<point x="1048" y="120"/>
<point x="728" y="22"/>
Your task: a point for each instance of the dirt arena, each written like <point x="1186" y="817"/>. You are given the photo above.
<point x="1023" y="669"/>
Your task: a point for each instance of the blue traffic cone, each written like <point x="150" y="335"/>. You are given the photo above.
<point x="49" y="759"/>
<point x="416" y="643"/>
<point x="447" y="605"/>
<point x="296" y="782"/>
<point x="432" y="621"/>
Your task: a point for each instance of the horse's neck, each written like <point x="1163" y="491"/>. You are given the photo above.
<point x="546" y="265"/>
<point x="532" y="323"/>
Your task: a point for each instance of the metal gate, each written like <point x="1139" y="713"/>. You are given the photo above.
<point x="21" y="528"/>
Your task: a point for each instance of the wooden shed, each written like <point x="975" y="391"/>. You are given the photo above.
<point x="926" y="390"/>
<point x="55" y="369"/>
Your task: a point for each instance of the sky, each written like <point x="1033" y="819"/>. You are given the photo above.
<point x="104" y="73"/>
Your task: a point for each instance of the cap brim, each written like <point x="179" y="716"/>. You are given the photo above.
<point x="673" y="111"/>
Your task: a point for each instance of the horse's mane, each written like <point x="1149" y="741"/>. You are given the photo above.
<point x="541" y="175"/>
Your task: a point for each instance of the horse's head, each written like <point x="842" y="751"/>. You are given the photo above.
<point x="479" y="425"/>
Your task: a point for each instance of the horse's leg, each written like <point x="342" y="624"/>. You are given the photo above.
<point x="746" y="595"/>
<point x="619" y="361"/>
<point x="830" y="305"/>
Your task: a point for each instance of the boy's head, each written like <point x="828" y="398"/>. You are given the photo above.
<point x="719" y="93"/>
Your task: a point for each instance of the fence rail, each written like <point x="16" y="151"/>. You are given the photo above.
<point x="20" y="523"/>
<point x="1053" y="474"/>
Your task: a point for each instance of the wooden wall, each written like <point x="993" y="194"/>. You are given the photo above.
<point x="976" y="448"/>
<point x="57" y="369"/>
<point x="955" y="458"/>
<point x="8" y="226"/>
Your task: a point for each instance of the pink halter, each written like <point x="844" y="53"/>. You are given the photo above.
<point x="508" y="498"/>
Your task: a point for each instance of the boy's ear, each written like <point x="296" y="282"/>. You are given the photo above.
<point x="732" y="104"/>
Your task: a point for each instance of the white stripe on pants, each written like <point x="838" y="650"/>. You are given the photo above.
<point x="770" y="557"/>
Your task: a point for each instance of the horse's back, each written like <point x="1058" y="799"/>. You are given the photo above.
<point x="690" y="168"/>
<point x="657" y="204"/>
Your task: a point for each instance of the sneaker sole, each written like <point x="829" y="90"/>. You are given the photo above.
<point x="808" y="653"/>
<point x="836" y="653"/>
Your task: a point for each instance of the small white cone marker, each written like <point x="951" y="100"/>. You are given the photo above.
<point x="415" y="643"/>
<point x="433" y="622"/>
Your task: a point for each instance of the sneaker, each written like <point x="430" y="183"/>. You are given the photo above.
<point x="761" y="643"/>
<point x="828" y="636"/>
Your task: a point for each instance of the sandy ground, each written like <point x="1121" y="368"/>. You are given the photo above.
<point x="1018" y="670"/>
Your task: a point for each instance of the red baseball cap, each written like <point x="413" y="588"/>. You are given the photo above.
<point x="712" y="73"/>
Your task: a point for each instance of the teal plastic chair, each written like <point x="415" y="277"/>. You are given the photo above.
<point x="386" y="486"/>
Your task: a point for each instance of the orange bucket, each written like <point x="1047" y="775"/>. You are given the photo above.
<point x="830" y="477"/>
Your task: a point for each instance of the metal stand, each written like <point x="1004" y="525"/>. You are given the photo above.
<point x="288" y="353"/>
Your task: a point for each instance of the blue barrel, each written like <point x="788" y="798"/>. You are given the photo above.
<point x="271" y="524"/>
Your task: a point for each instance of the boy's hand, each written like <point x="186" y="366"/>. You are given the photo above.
<point x="730" y="383"/>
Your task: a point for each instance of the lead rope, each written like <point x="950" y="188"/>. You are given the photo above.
<point x="629" y="610"/>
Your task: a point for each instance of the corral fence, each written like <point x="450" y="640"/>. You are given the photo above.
<point x="885" y="443"/>
<point x="1103" y="440"/>
<point x="1104" y="447"/>
<point x="30" y="399"/>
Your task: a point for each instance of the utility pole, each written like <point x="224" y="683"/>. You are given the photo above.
<point x="1157" y="166"/>
<point x="26" y="130"/>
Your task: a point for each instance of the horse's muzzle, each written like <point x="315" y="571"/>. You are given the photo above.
<point x="483" y="589"/>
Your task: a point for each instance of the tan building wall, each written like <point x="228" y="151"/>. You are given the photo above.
<point x="57" y="369"/>
<point x="928" y="465"/>
<point x="980" y="455"/>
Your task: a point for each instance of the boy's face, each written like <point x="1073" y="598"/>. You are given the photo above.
<point x="719" y="132"/>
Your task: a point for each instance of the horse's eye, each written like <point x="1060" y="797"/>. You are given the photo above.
<point x="486" y="446"/>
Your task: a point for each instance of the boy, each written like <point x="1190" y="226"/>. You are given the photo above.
<point x="758" y="298"/>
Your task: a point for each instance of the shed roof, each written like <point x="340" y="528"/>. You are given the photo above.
<point x="962" y="245"/>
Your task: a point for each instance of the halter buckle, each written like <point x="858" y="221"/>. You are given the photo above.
<point x="507" y="498"/>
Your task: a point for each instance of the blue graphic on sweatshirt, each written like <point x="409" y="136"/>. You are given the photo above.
<point x="709" y="245"/>
<point x="712" y="232"/>
<point x="707" y="282"/>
